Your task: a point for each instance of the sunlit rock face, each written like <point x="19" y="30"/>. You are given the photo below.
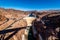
<point x="2" y="19"/>
<point x="18" y="19"/>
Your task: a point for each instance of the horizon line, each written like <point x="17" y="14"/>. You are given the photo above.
<point x="27" y="9"/>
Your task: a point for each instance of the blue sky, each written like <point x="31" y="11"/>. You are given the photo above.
<point x="30" y="4"/>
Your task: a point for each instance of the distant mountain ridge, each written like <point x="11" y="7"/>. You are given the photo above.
<point x="4" y="11"/>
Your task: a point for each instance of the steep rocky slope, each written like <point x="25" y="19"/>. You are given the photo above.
<point x="12" y="19"/>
